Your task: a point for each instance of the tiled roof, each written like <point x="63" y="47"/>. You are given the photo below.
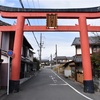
<point x="69" y="58"/>
<point x="60" y="58"/>
<point x="92" y="40"/>
<point x="4" y="23"/>
<point x="13" y="9"/>
<point x="44" y="60"/>
<point x="69" y="63"/>
<point x="77" y="59"/>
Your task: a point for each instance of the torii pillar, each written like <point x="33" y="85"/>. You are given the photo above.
<point x="16" y="61"/>
<point x="86" y="61"/>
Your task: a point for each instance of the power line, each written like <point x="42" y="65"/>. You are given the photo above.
<point x="39" y="6"/>
<point x="29" y="23"/>
<point x="33" y="3"/>
<point x="40" y="48"/>
<point x="34" y="7"/>
<point x="39" y="44"/>
<point x="28" y="3"/>
<point x="38" y="3"/>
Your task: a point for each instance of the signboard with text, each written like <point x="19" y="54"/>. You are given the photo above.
<point x="51" y="21"/>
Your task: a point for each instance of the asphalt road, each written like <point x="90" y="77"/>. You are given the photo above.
<point x="47" y="85"/>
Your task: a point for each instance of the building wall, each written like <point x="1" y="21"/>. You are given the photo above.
<point x="3" y="71"/>
<point x="78" y="51"/>
<point x="5" y="41"/>
<point x="4" y="45"/>
<point x="27" y="52"/>
<point x="5" y="59"/>
<point x="30" y="55"/>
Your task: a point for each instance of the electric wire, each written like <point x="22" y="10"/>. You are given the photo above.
<point x="39" y="7"/>
<point x="28" y="3"/>
<point x="29" y="23"/>
<point x="33" y="3"/>
<point x="40" y="45"/>
<point x="34" y="7"/>
<point x="38" y="3"/>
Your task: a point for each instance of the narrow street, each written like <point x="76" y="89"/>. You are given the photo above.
<point x="47" y="85"/>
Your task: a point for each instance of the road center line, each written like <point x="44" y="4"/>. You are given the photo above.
<point x="72" y="87"/>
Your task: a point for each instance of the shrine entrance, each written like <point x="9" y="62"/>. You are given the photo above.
<point x="51" y="15"/>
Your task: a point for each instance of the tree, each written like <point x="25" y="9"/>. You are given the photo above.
<point x="95" y="58"/>
<point x="36" y="63"/>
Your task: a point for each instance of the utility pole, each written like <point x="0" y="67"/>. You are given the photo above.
<point x="56" y="53"/>
<point x="51" y="61"/>
<point x="40" y="49"/>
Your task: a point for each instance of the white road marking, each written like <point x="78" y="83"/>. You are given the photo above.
<point x="73" y="87"/>
<point x="58" y="84"/>
<point x="53" y="79"/>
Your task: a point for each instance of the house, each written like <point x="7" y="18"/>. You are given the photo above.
<point x="60" y="59"/>
<point x="27" y="59"/>
<point x="69" y="68"/>
<point x="94" y="43"/>
<point x="27" y="54"/>
<point x="45" y="62"/>
<point x="62" y="65"/>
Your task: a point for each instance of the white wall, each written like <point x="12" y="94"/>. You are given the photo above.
<point x="79" y="51"/>
<point x="27" y="52"/>
<point x="31" y="55"/>
<point x="5" y="59"/>
<point x="5" y="41"/>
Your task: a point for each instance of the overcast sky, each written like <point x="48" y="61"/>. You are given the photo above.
<point x="62" y="39"/>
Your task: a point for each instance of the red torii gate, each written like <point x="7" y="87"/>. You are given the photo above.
<point x="80" y="14"/>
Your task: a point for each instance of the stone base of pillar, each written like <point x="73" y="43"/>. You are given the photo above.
<point x="88" y="86"/>
<point x="14" y="86"/>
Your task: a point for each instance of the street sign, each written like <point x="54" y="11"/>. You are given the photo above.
<point x="51" y="21"/>
<point x="10" y="53"/>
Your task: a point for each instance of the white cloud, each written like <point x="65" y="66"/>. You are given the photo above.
<point x="63" y="49"/>
<point x="7" y="3"/>
<point x="48" y="3"/>
<point x="53" y="3"/>
<point x="67" y="3"/>
<point x="84" y="3"/>
<point x="2" y="1"/>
